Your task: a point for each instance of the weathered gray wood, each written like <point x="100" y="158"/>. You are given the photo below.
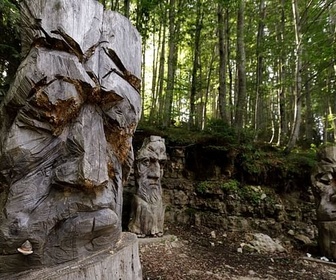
<point x="121" y="262"/>
<point x="324" y="189"/>
<point x="147" y="217"/>
<point x="81" y="20"/>
<point x="66" y="133"/>
<point x="327" y="238"/>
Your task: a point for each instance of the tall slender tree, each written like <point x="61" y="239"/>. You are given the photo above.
<point x="222" y="46"/>
<point x="195" y="83"/>
<point x="172" y="63"/>
<point x="258" y="109"/>
<point x="298" y="78"/>
<point x="241" y="68"/>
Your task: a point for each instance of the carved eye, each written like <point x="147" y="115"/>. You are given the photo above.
<point x="145" y="161"/>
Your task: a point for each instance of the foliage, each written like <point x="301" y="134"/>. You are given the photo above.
<point x="9" y="42"/>
<point x="173" y="135"/>
<point x="229" y="186"/>
<point x="222" y="129"/>
<point x="301" y="159"/>
<point x="267" y="165"/>
<point x="252" y="194"/>
<point x="270" y="96"/>
<point x="216" y="136"/>
<point x="191" y="211"/>
<point x="253" y="160"/>
<point x="202" y="187"/>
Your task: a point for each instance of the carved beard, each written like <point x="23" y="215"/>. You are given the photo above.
<point x="150" y="193"/>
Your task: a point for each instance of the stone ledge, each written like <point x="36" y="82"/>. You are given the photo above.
<point x="121" y="262"/>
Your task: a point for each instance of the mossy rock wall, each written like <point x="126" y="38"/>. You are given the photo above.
<point x="209" y="186"/>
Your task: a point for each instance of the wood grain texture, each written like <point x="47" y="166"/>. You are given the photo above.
<point x="147" y="215"/>
<point x="120" y="263"/>
<point x="67" y="124"/>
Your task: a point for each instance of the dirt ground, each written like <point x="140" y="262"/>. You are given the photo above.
<point x="193" y="253"/>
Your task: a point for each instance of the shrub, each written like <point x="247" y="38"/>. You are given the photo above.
<point x="230" y="186"/>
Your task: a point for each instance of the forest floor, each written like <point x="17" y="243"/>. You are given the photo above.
<point x="190" y="253"/>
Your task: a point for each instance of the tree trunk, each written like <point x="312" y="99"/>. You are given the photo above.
<point x="160" y="87"/>
<point x="298" y="79"/>
<point x="155" y="64"/>
<point x="126" y="8"/>
<point x="206" y="98"/>
<point x="196" y="65"/>
<point x="172" y="59"/>
<point x="222" y="62"/>
<point x="258" y="110"/>
<point x="241" y="71"/>
<point x="231" y="80"/>
<point x="309" y="121"/>
<point x="282" y="132"/>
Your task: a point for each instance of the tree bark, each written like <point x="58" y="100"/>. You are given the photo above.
<point x="258" y="110"/>
<point x="127" y="8"/>
<point x="222" y="61"/>
<point x="241" y="69"/>
<point x="161" y="78"/>
<point x="282" y="132"/>
<point x="172" y="60"/>
<point x="196" y="65"/>
<point x="207" y="91"/>
<point x="298" y="79"/>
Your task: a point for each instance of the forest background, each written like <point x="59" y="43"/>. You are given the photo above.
<point x="256" y="68"/>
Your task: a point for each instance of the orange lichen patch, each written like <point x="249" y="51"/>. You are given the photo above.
<point x="62" y="113"/>
<point x="132" y="128"/>
<point x="123" y="73"/>
<point x="82" y="88"/>
<point x="119" y="141"/>
<point x="52" y="43"/>
<point x="109" y="98"/>
<point x="42" y="100"/>
<point x="88" y="184"/>
<point x="133" y="80"/>
<point x="71" y="43"/>
<point x="59" y="114"/>
<point x="94" y="96"/>
<point x="111" y="170"/>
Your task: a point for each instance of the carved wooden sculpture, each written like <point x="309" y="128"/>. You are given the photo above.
<point x="66" y="133"/>
<point x="324" y="189"/>
<point x="147" y="217"/>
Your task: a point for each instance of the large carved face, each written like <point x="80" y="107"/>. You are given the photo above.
<point x="149" y="168"/>
<point x="68" y="122"/>
<point x="324" y="184"/>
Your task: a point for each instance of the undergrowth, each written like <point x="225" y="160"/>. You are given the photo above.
<point x="254" y="163"/>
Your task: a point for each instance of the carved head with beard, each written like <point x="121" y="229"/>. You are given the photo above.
<point x="149" y="168"/>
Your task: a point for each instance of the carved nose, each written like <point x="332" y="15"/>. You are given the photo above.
<point x="154" y="170"/>
<point x="86" y="161"/>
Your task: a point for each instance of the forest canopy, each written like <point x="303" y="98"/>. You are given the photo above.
<point x="266" y="68"/>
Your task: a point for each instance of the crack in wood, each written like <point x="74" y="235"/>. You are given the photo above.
<point x="134" y="81"/>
